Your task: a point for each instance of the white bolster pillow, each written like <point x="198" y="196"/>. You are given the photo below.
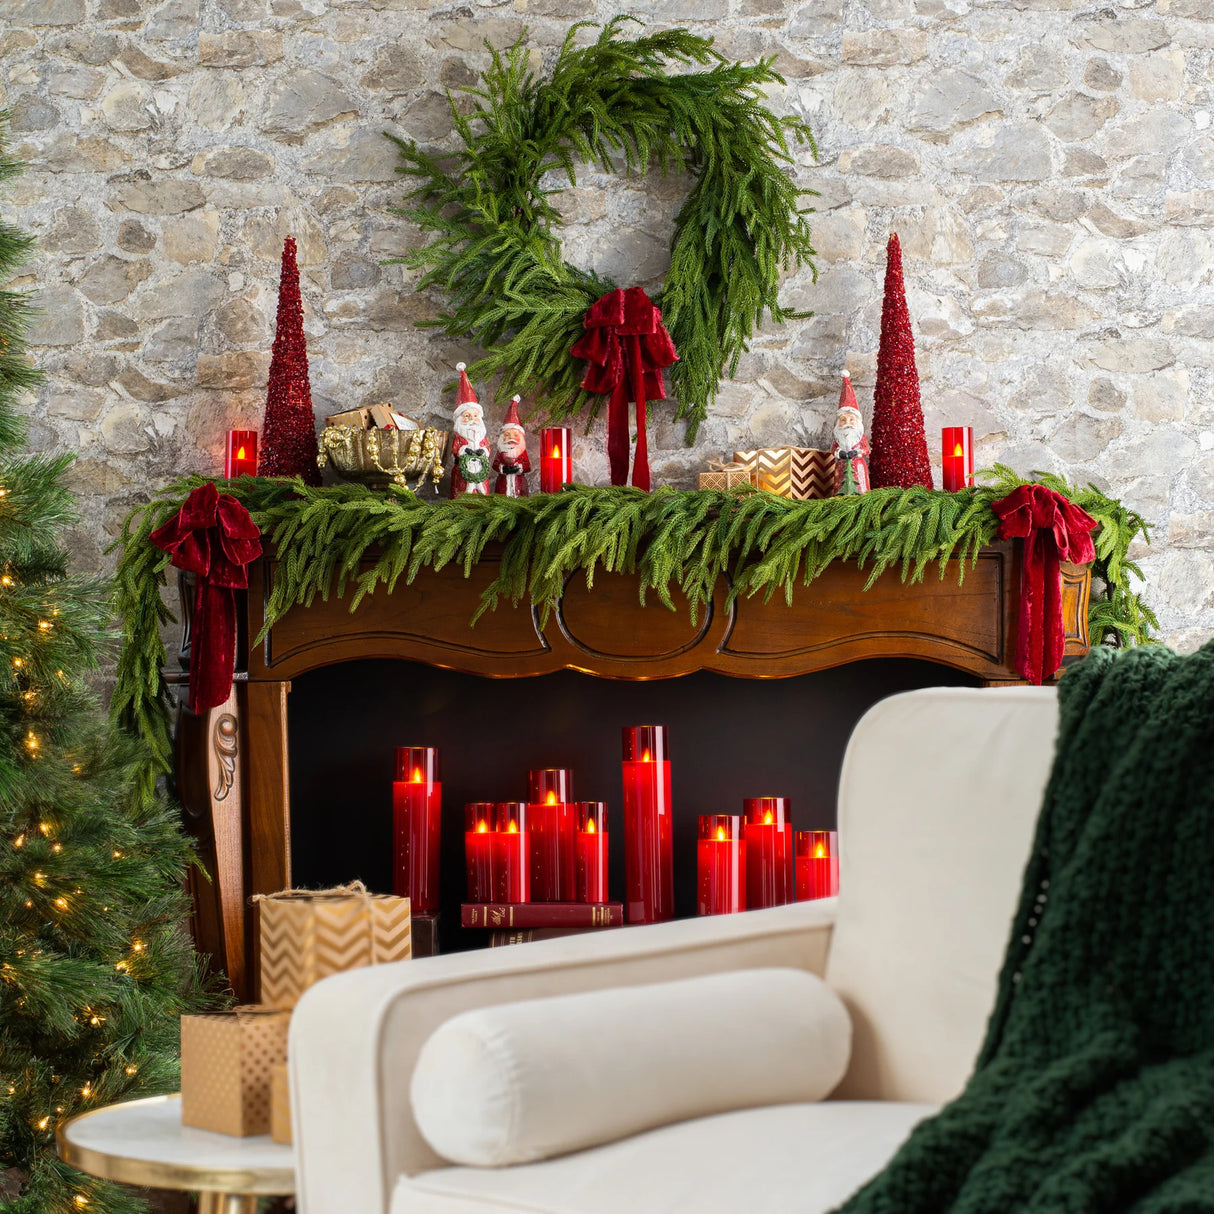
<point x="524" y="1081"/>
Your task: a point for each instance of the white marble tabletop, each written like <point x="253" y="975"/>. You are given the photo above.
<point x="143" y="1142"/>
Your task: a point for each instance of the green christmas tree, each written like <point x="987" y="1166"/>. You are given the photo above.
<point x="95" y="964"/>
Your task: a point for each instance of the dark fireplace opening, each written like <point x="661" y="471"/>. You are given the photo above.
<point x="730" y="738"/>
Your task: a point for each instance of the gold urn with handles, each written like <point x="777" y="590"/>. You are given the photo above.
<point x="379" y="458"/>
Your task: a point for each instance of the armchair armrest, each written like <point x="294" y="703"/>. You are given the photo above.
<point x="355" y="1037"/>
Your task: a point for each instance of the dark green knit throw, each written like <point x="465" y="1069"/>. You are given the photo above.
<point x="1094" y="1090"/>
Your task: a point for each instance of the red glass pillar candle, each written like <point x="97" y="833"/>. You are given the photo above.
<point x="592" y="851"/>
<point x="511" y="859"/>
<point x="416" y="827"/>
<point x="550" y="827"/>
<point x="479" y="847"/>
<point x="720" y="864"/>
<point x="648" y="851"/>
<point x="957" y="455"/>
<point x="556" y="459"/>
<point x="817" y="864"/>
<point x="769" y="851"/>
<point x="240" y="454"/>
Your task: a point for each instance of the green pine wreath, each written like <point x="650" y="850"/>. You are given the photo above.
<point x="496" y="251"/>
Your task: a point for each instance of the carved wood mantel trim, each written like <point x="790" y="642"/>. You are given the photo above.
<point x="604" y="631"/>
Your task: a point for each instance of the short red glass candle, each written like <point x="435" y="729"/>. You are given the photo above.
<point x="556" y="459"/>
<point x="648" y="837"/>
<point x="720" y="864"/>
<point x="479" y="850"/>
<point x="769" y="851"/>
<point x="511" y="859"/>
<point x="957" y="454"/>
<point x="240" y="454"/>
<point x="417" y="797"/>
<point x="817" y="864"/>
<point x="592" y="851"/>
<point x="550" y="822"/>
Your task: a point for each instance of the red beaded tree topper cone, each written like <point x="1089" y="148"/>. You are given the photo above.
<point x="288" y="435"/>
<point x="417" y="807"/>
<point x="648" y="836"/>
<point x="899" y="456"/>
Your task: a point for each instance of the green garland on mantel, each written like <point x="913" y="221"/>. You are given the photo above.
<point x="671" y="539"/>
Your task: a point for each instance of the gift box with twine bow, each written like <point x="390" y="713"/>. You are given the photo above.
<point x="726" y="475"/>
<point x="306" y="935"/>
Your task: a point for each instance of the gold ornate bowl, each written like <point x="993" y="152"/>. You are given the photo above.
<point x="385" y="457"/>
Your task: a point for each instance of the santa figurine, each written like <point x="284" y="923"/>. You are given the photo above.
<point x="511" y="462"/>
<point x="470" y="447"/>
<point x="850" y="448"/>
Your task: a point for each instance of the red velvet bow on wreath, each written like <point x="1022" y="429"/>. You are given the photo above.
<point x="214" y="537"/>
<point x="627" y="346"/>
<point x="1053" y="530"/>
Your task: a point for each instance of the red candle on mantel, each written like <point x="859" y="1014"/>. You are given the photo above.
<point x="720" y="864"/>
<point x="648" y="847"/>
<point x="769" y="851"/>
<point x="556" y="459"/>
<point x="240" y="453"/>
<point x="592" y="851"/>
<point x="511" y="860"/>
<point x="817" y="864"/>
<point x="417" y="799"/>
<point x="550" y="826"/>
<point x="479" y="850"/>
<point x="957" y="455"/>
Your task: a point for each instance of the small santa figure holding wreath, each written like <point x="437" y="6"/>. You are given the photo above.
<point x="511" y="461"/>
<point x="470" y="447"/>
<point x="850" y="447"/>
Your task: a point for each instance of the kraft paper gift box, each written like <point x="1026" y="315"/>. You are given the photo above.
<point x="726" y="476"/>
<point x="306" y="935"/>
<point x="796" y="472"/>
<point x="227" y="1061"/>
<point x="280" y="1105"/>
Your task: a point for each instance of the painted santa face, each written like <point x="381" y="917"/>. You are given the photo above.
<point x="512" y="440"/>
<point x="470" y="424"/>
<point x="849" y="429"/>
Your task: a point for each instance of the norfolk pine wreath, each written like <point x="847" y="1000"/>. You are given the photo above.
<point x="496" y="250"/>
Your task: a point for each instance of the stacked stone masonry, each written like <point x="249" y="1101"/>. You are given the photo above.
<point x="1049" y="165"/>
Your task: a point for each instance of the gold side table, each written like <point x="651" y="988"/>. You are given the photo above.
<point x="144" y="1143"/>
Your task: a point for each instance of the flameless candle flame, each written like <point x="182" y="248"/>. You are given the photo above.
<point x="482" y="827"/>
<point x="417" y="776"/>
<point x="512" y="829"/>
<point x="958" y="450"/>
<point x="240" y="452"/>
<point x="768" y="818"/>
<point x="552" y="798"/>
<point x="590" y="826"/>
<point x="720" y="834"/>
<point x="820" y="853"/>
<point x="645" y="758"/>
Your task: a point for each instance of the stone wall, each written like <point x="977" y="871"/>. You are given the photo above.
<point x="1048" y="165"/>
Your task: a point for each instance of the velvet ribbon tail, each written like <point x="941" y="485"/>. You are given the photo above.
<point x="640" y="461"/>
<point x="212" y="645"/>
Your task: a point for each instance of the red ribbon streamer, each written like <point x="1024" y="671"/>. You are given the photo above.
<point x="213" y="536"/>
<point x="1053" y="530"/>
<point x="627" y="346"/>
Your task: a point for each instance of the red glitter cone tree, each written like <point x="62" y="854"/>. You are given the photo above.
<point x="288" y="435"/>
<point x="899" y="457"/>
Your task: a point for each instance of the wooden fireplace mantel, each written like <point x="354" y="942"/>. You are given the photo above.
<point x="232" y="763"/>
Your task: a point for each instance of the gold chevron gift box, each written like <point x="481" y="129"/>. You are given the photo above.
<point x="227" y="1066"/>
<point x="306" y="935"/>
<point x="796" y="472"/>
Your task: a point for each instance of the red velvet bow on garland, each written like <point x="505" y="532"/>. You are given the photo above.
<point x="1053" y="530"/>
<point x="214" y="537"/>
<point x="627" y="346"/>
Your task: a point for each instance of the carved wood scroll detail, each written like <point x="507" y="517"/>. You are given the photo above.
<point x="225" y="739"/>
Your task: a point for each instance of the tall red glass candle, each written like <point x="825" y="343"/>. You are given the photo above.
<point x="769" y="851"/>
<point x="957" y="456"/>
<point x="479" y="850"/>
<point x="556" y="459"/>
<point x="550" y="822"/>
<point x="648" y="850"/>
<point x="511" y="858"/>
<point x="417" y="797"/>
<point x="592" y="851"/>
<point x="240" y="453"/>
<point x="817" y="864"/>
<point x="720" y="864"/>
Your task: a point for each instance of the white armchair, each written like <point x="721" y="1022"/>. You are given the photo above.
<point x="937" y="803"/>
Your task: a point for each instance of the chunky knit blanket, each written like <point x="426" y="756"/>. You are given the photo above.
<point x="1094" y="1089"/>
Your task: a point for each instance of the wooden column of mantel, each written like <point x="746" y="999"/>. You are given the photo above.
<point x="232" y="763"/>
